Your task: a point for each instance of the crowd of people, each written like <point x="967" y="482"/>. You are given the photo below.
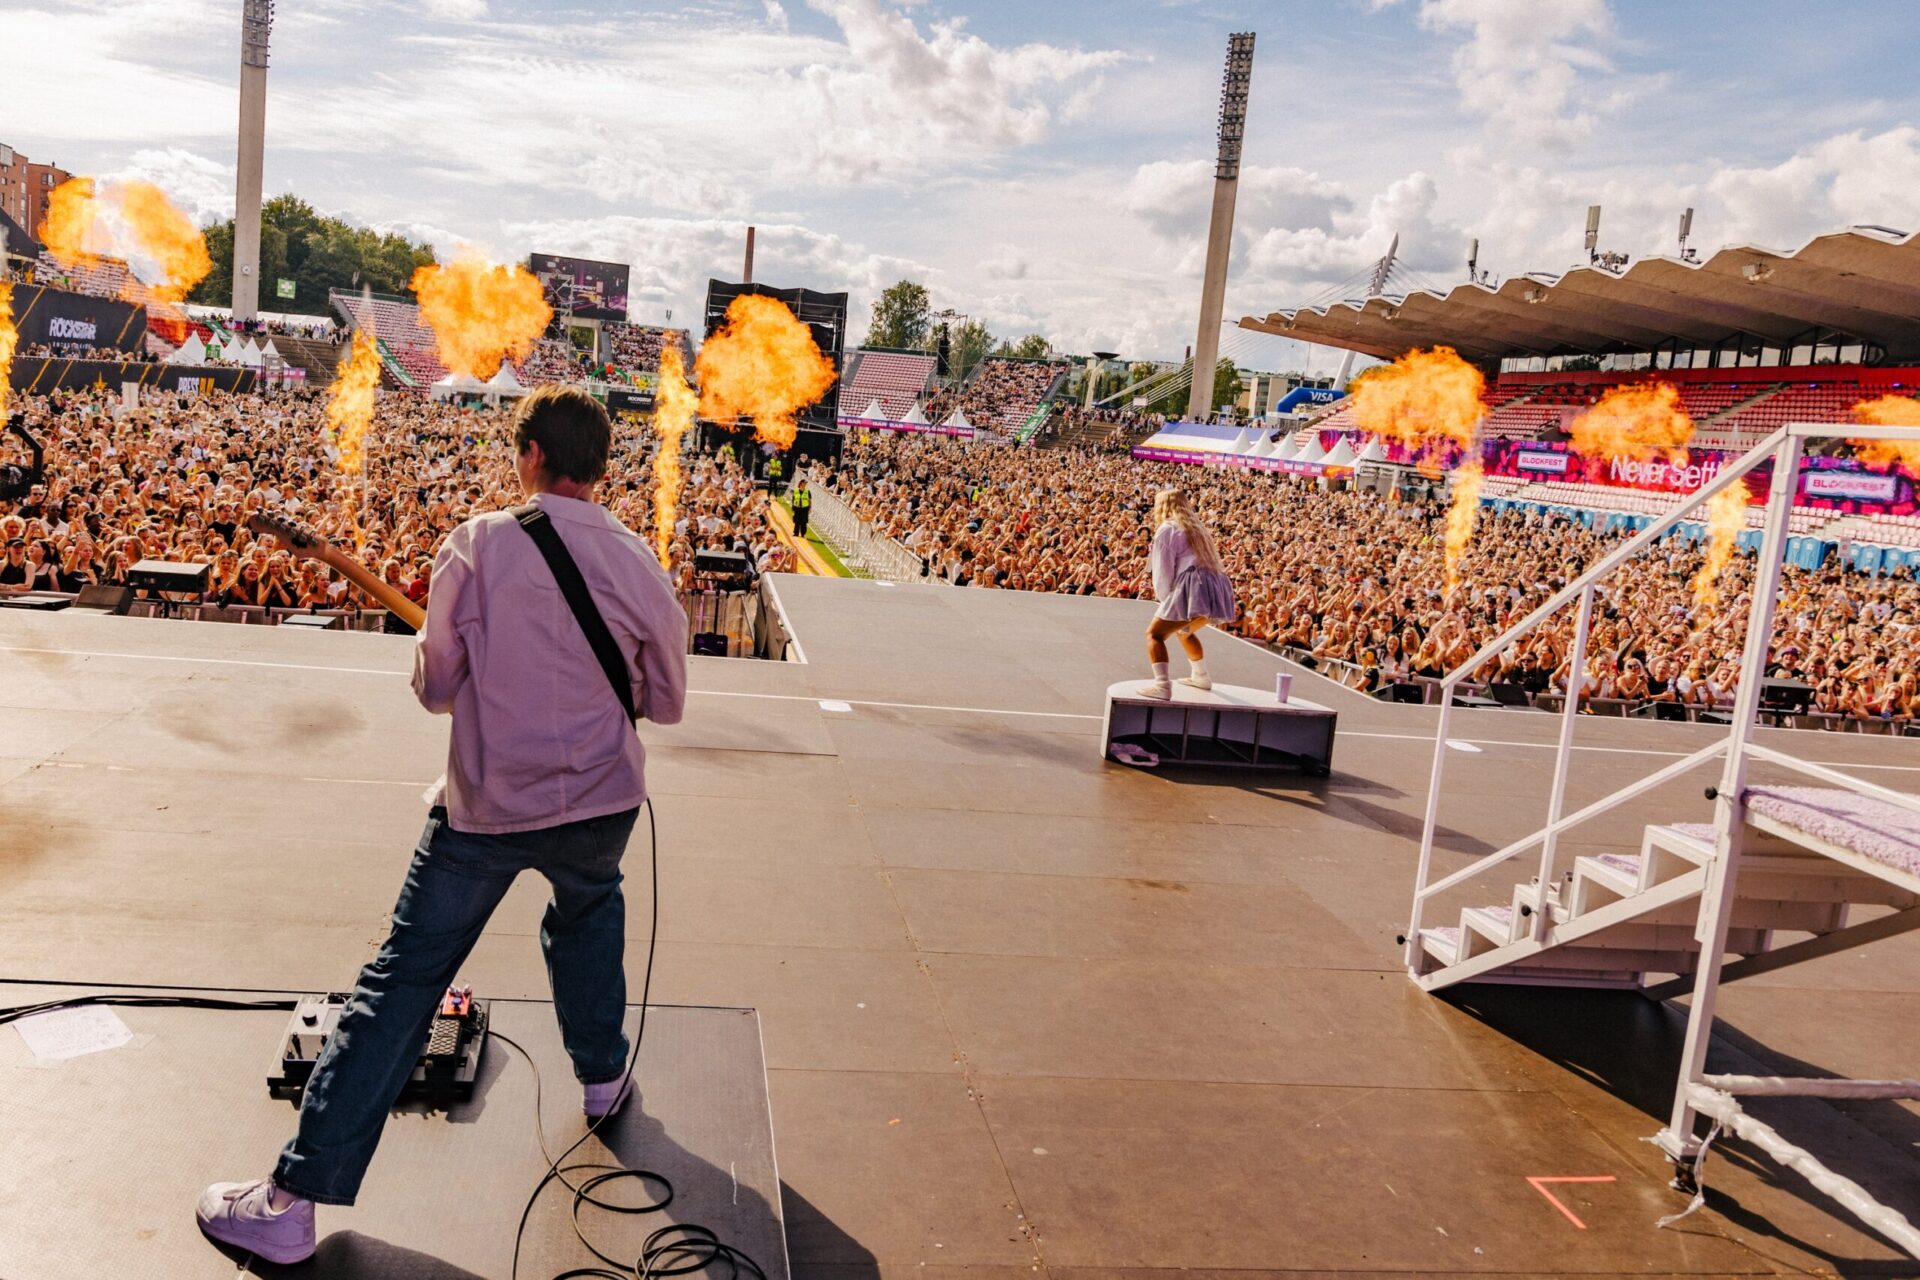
<point x="1002" y="394"/>
<point x="638" y="346"/>
<point x="1351" y="580"/>
<point x="1355" y="581"/>
<point x="176" y="479"/>
<point x="85" y="351"/>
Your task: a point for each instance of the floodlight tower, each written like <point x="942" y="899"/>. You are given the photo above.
<point x="1226" y="185"/>
<point x="256" y="24"/>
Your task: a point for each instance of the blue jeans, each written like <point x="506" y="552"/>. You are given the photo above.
<point x="455" y="881"/>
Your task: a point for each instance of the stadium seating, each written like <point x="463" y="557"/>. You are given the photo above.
<point x="894" y="378"/>
<point x="397" y="323"/>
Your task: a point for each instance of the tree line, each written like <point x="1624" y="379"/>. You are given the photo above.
<point x="315" y="253"/>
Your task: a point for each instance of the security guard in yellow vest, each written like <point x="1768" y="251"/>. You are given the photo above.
<point x="776" y="472"/>
<point x="802" y="507"/>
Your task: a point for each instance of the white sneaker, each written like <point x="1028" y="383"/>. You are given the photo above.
<point x="1159" y="691"/>
<point x="1197" y="682"/>
<point x="598" y="1101"/>
<point x="240" y="1214"/>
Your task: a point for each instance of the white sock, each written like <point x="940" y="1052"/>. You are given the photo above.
<point x="1160" y="673"/>
<point x="1200" y="667"/>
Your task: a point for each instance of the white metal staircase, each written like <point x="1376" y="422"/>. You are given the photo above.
<point x="1782" y="875"/>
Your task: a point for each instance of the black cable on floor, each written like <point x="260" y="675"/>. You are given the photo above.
<point x="17" y="1012"/>
<point x="680" y="1249"/>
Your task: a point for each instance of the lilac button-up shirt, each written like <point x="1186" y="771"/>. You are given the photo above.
<point x="538" y="736"/>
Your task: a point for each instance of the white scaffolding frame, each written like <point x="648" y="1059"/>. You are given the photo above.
<point x="1696" y="1094"/>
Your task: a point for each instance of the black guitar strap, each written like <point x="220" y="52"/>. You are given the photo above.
<point x="574" y="587"/>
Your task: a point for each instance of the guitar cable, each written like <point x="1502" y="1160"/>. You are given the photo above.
<point x="677" y="1249"/>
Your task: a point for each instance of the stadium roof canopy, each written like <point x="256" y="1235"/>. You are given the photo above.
<point x="1862" y="283"/>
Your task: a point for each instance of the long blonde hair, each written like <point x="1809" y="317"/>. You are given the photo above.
<point x="1170" y="506"/>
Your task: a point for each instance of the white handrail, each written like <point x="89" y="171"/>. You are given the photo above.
<point x="1574" y="819"/>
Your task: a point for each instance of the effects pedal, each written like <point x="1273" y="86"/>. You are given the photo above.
<point x="449" y="1061"/>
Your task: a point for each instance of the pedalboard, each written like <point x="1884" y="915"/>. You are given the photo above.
<point x="449" y="1061"/>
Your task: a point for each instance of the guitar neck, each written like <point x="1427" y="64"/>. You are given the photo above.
<point x="362" y="577"/>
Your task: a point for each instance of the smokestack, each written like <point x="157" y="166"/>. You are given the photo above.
<point x="746" y="273"/>
<point x="256" y="24"/>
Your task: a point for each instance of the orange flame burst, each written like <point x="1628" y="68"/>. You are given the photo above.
<point x="1463" y="509"/>
<point x="673" y="409"/>
<point x="1889" y="411"/>
<point x="762" y="363"/>
<point x="481" y="313"/>
<point x="1726" y="518"/>
<point x="1638" y="422"/>
<point x="350" y="401"/>
<point x="1427" y="400"/>
<point x="9" y="336"/>
<point x="88" y="220"/>
<point x="1423" y="400"/>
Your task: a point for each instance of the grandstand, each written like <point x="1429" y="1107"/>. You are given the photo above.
<point x="897" y="379"/>
<point x="1002" y="393"/>
<point x="411" y="351"/>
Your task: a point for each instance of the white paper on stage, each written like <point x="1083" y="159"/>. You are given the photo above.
<point x="72" y="1033"/>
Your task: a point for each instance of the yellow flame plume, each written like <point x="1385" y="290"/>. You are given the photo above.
<point x="1422" y="400"/>
<point x="674" y="404"/>
<point x="481" y="313"/>
<point x="1726" y="519"/>
<point x="1639" y="422"/>
<point x="1463" y="508"/>
<point x="1889" y="411"/>
<point x="762" y="363"/>
<point x="350" y="401"/>
<point x="89" y="219"/>
<point x="9" y="336"/>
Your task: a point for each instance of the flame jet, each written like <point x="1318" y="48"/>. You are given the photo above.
<point x="674" y="406"/>
<point x="1427" y="401"/>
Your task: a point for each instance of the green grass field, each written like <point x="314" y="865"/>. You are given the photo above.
<point x="821" y="547"/>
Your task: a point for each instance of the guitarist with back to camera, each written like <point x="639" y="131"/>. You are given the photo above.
<point x="544" y="773"/>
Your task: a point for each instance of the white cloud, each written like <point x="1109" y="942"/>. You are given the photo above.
<point x="203" y="188"/>
<point x="1848" y="178"/>
<point x="456" y="10"/>
<point x="776" y="14"/>
<point x="1524" y="65"/>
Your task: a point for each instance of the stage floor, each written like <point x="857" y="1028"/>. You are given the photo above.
<point x="445" y="1193"/>
<point x="1025" y="1012"/>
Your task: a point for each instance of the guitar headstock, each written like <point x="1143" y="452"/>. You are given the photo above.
<point x="293" y="535"/>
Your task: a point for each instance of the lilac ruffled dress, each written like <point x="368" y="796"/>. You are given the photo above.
<point x="1183" y="588"/>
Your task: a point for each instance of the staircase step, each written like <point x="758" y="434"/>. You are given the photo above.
<point x="1495" y="924"/>
<point x="1442" y="944"/>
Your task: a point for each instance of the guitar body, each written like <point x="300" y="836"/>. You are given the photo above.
<point x="307" y="544"/>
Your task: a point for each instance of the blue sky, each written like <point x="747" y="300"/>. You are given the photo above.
<point x="1043" y="166"/>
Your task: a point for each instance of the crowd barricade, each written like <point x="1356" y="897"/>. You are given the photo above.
<point x="867" y="551"/>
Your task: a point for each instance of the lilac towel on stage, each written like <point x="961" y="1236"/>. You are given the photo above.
<point x="1870" y="827"/>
